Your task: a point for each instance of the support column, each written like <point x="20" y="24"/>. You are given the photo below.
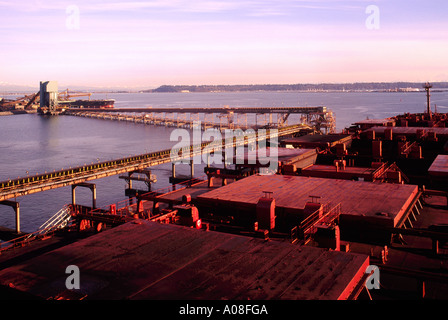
<point x="91" y="186"/>
<point x="129" y="181"/>
<point x="17" y="210"/>
<point x="73" y="195"/>
<point x="173" y="170"/>
<point x="16" y="206"/>
<point x="435" y="246"/>
<point x="93" y="196"/>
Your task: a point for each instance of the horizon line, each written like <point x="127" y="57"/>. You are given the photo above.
<point x="6" y="84"/>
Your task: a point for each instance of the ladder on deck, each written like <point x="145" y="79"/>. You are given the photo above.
<point x="57" y="221"/>
<point x="307" y="227"/>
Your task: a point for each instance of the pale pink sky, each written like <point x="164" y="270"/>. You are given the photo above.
<point x="150" y="43"/>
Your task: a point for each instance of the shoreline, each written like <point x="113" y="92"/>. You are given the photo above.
<point x="16" y="112"/>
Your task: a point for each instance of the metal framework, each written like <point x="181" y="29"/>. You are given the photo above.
<point x="47" y="181"/>
<point x="320" y="118"/>
<point x="328" y="215"/>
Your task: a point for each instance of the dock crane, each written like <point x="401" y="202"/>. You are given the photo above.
<point x="28" y="100"/>
<point x="66" y="95"/>
<point x="34" y="98"/>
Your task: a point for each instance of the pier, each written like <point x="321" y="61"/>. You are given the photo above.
<point x="47" y="181"/>
<point x="321" y="119"/>
<point x="77" y="176"/>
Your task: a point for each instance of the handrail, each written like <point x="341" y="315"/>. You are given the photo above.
<point x="310" y="219"/>
<point x="406" y="148"/>
<point x="59" y="218"/>
<point x="380" y="171"/>
<point x="126" y="204"/>
<point x="293" y="109"/>
<point x="27" y="238"/>
<point x="308" y="225"/>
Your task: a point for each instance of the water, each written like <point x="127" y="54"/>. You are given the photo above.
<point x="31" y="144"/>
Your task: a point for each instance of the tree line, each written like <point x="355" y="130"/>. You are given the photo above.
<point x="362" y="86"/>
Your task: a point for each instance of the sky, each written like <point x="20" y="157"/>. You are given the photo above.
<point x="142" y="44"/>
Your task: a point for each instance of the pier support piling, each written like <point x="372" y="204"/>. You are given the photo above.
<point x="16" y="206"/>
<point x="135" y="175"/>
<point x="91" y="186"/>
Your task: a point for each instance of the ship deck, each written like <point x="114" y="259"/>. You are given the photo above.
<point x="317" y="141"/>
<point x="439" y="167"/>
<point x="368" y="123"/>
<point x="411" y="131"/>
<point x="264" y="156"/>
<point x="152" y="261"/>
<point x="329" y="171"/>
<point x="377" y="203"/>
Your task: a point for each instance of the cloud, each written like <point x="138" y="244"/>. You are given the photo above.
<point x="253" y="8"/>
<point x="89" y="6"/>
<point x="257" y="39"/>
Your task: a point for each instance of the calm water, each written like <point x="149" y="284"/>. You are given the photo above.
<point x="31" y="144"/>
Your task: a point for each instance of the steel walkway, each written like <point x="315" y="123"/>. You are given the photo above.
<point x="320" y="118"/>
<point x="260" y="110"/>
<point x="32" y="184"/>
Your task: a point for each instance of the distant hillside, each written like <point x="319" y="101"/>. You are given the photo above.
<point x="6" y="87"/>
<point x="373" y="86"/>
